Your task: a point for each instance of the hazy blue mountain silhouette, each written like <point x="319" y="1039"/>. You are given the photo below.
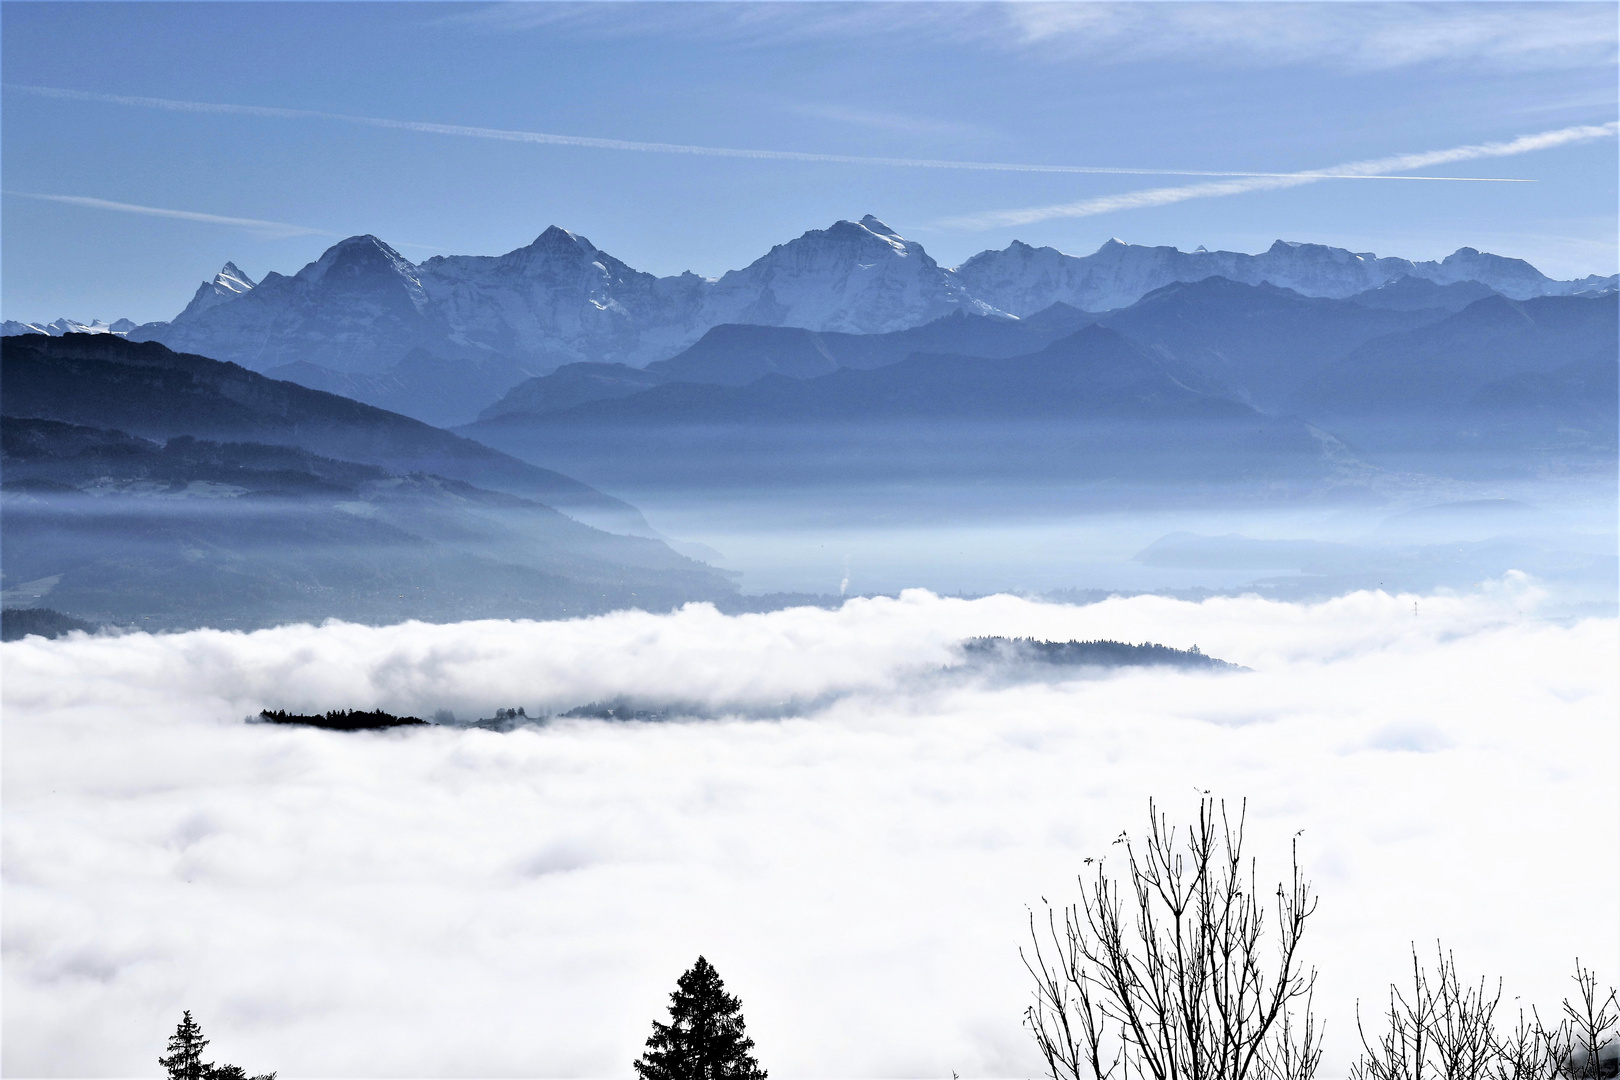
<point x="1257" y="342"/>
<point x="736" y="354"/>
<point x="1445" y="364"/>
<point x="1095" y="372"/>
<point x="145" y="389"/>
<point x="1516" y="384"/>
<point x="574" y="384"/>
<point x="1093" y="407"/>
<point x="1414" y="293"/>
<point x="437" y="390"/>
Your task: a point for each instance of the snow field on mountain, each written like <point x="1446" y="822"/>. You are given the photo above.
<point x="465" y="903"/>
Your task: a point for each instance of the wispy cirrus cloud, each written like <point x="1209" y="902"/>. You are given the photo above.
<point x="269" y="230"/>
<point x="1164" y="196"/>
<point x="1349" y="35"/>
<point x="1355" y="36"/>
<point x="593" y="142"/>
<point x="887" y="121"/>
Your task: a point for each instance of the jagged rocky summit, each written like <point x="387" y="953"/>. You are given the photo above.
<point x="228" y="284"/>
<point x="362" y="307"/>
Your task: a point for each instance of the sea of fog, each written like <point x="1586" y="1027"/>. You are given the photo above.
<point x="853" y="840"/>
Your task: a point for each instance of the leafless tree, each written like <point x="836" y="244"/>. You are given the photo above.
<point x="1591" y="1025"/>
<point x="1529" y="1051"/>
<point x="1168" y="973"/>
<point x="1444" y="1029"/>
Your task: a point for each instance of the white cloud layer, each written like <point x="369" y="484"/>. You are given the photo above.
<point x="464" y="903"/>
<point x="1364" y="36"/>
<point x="1349" y="36"/>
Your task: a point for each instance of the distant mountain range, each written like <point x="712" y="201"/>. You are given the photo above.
<point x="1214" y="368"/>
<point x="1093" y="411"/>
<point x="66" y="326"/>
<point x="147" y="485"/>
<point x="488" y="322"/>
<point x="1259" y="344"/>
<point x="1499" y="374"/>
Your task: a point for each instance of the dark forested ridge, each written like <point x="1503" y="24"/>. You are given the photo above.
<point x="103" y="381"/>
<point x="343" y="719"/>
<point x="1074" y="654"/>
<point x="192" y="532"/>
<point x="18" y="623"/>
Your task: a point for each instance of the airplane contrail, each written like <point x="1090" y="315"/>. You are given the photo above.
<point x="1132" y="200"/>
<point x="548" y="139"/>
<point x="276" y="230"/>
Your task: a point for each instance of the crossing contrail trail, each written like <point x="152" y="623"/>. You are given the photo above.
<point x="548" y="139"/>
<point x="1133" y="200"/>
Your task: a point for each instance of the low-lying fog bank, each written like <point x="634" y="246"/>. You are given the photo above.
<point x="435" y="901"/>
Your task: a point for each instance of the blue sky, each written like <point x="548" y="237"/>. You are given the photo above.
<point x="1274" y="87"/>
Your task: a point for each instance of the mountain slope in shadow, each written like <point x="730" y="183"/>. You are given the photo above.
<point x="145" y="389"/>
<point x="200" y="533"/>
<point x="1092" y="407"/>
<point x="735" y="354"/>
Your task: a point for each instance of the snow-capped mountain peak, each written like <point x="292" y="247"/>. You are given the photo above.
<point x="362" y="306"/>
<point x="854" y="276"/>
<point x="358" y="255"/>
<point x="224" y="287"/>
<point x="556" y="236"/>
<point x="232" y="279"/>
<point x="872" y="224"/>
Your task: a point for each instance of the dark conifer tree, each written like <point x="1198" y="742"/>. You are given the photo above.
<point x="704" y="1038"/>
<point x="184" y="1059"/>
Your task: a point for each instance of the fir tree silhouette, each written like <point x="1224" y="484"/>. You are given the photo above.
<point x="184" y="1059"/>
<point x="704" y="1038"/>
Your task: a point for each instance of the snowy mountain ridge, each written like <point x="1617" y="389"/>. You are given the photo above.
<point x="362" y="306"/>
<point x="1023" y="280"/>
<point x="59" y="327"/>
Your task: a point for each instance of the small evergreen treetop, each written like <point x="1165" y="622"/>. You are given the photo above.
<point x="704" y="1038"/>
<point x="184" y="1059"/>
